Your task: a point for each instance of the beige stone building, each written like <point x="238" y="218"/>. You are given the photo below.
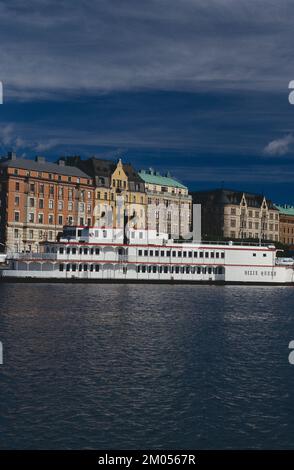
<point x="233" y="214"/>
<point x="169" y="204"/>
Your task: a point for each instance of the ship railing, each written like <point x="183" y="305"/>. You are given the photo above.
<point x="32" y="256"/>
<point x="227" y="243"/>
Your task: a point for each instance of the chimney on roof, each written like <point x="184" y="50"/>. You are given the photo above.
<point x="61" y="162"/>
<point x="40" y="159"/>
<point x="11" y="155"/>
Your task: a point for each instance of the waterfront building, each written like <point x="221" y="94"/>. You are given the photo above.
<point x="169" y="204"/>
<point x="120" y="195"/>
<point x="286" y="213"/>
<point x="38" y="198"/>
<point x="234" y="214"/>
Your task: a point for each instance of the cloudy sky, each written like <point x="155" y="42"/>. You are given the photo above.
<point x="197" y="87"/>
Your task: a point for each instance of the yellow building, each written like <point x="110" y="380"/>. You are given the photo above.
<point x="120" y="196"/>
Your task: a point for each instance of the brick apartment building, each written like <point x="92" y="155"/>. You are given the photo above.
<point x="37" y="198"/>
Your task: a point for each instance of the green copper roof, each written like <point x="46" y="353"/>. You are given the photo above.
<point x="152" y="177"/>
<point x="286" y="209"/>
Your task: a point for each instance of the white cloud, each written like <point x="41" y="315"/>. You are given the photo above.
<point x="279" y="147"/>
<point x="10" y="139"/>
<point x="6" y="134"/>
<point x="46" y="145"/>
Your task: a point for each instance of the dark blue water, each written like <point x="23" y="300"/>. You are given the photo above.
<point x="101" y="366"/>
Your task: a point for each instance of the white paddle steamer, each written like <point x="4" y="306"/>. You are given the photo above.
<point x="91" y="254"/>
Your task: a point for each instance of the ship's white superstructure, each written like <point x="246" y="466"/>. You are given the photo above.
<point x="102" y="254"/>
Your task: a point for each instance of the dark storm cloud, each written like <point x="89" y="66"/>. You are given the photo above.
<point x="198" y="87"/>
<point x="50" y="47"/>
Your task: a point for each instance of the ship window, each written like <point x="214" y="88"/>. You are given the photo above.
<point x="212" y="254"/>
<point x="201" y="254"/>
<point x="174" y="253"/>
<point x="85" y="267"/>
<point x="171" y="269"/>
<point x="143" y="269"/>
<point x="149" y="269"/>
<point x="74" y="267"/>
<point x="179" y="254"/>
<point x="156" y="253"/>
<point x="187" y="270"/>
<point x="198" y="270"/>
<point x="192" y="270"/>
<point x="217" y="255"/>
<point x="68" y="251"/>
<point x="79" y="233"/>
<point x="61" y="250"/>
<point x="209" y="270"/>
<point x="74" y="250"/>
<point x="195" y="254"/>
<point x="222" y="255"/>
<point x="92" y="251"/>
<point x="264" y="254"/>
<point x="97" y="251"/>
<point x="81" y="251"/>
<point x="145" y="252"/>
<point x="253" y="254"/>
<point x="61" y="267"/>
<point x="151" y="253"/>
<point x="168" y="253"/>
<point x="184" y="254"/>
<point x="96" y="267"/>
<point x="160" y="269"/>
<point x="206" y="254"/>
<point x="162" y="253"/>
<point x="140" y="252"/>
<point x="154" y="269"/>
<point x="85" y="251"/>
<point x="203" y="270"/>
<point x="91" y="267"/>
<point x="190" y="254"/>
<point x="165" y="269"/>
<point x="68" y="267"/>
<point x="140" y="235"/>
<point x="80" y="267"/>
<point x="182" y="269"/>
